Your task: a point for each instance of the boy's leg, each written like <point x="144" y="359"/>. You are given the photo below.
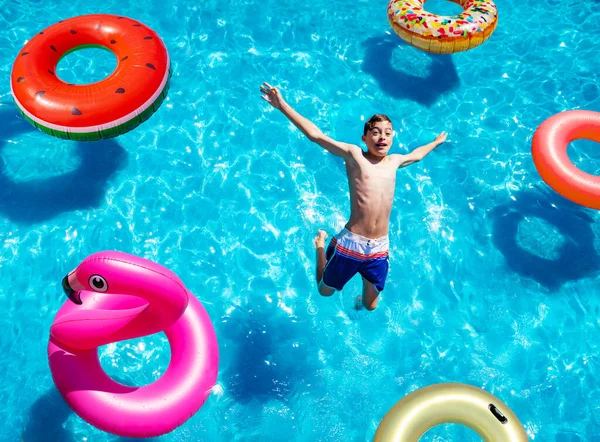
<point x="376" y="271"/>
<point x="370" y="296"/>
<point x="321" y="263"/>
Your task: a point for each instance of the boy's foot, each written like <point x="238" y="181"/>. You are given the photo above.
<point x="320" y="239"/>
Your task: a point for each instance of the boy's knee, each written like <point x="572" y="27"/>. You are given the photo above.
<point x="325" y="291"/>
<point x="370" y="305"/>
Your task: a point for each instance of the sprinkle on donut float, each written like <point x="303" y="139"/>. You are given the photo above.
<point x="105" y="109"/>
<point x="443" y="34"/>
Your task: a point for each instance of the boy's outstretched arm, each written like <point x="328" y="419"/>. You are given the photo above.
<point x="272" y="96"/>
<point x="421" y="152"/>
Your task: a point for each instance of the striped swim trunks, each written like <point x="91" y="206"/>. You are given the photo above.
<point x="349" y="254"/>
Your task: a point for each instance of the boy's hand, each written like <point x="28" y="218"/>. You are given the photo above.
<point x="441" y="138"/>
<point x="271" y="95"/>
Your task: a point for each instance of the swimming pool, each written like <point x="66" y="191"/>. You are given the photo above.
<point x="493" y="276"/>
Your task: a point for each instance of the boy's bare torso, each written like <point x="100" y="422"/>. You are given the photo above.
<point x="371" y="174"/>
<point x="372" y="184"/>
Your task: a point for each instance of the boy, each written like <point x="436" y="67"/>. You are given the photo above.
<point x="362" y="246"/>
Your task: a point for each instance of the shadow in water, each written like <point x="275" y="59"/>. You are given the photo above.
<point x="576" y="258"/>
<point x="39" y="200"/>
<point x="268" y="365"/>
<point x="401" y="83"/>
<point x="47" y="417"/>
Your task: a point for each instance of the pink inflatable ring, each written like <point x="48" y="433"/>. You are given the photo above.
<point x="115" y="296"/>
<point x="549" y="150"/>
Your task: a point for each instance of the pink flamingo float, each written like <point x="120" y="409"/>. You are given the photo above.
<point x="115" y="296"/>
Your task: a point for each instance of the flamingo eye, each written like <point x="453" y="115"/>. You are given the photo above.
<point x="98" y="283"/>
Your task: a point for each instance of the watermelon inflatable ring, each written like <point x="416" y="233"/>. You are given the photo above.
<point x="105" y="109"/>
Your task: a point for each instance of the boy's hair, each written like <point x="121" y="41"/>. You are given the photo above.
<point x="377" y="118"/>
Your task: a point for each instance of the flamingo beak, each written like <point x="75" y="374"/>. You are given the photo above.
<point x="73" y="295"/>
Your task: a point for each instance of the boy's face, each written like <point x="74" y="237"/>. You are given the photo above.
<point x="379" y="138"/>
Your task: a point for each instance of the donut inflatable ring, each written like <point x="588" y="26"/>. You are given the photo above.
<point x="448" y="403"/>
<point x="105" y="109"/>
<point x="549" y="150"/>
<point x="114" y="296"/>
<point x="443" y="34"/>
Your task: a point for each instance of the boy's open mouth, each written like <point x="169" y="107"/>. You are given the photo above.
<point x="380" y="144"/>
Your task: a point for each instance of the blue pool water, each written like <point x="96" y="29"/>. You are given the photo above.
<point x="493" y="278"/>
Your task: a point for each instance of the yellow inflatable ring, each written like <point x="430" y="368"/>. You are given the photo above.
<point x="448" y="403"/>
<point x="443" y="34"/>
